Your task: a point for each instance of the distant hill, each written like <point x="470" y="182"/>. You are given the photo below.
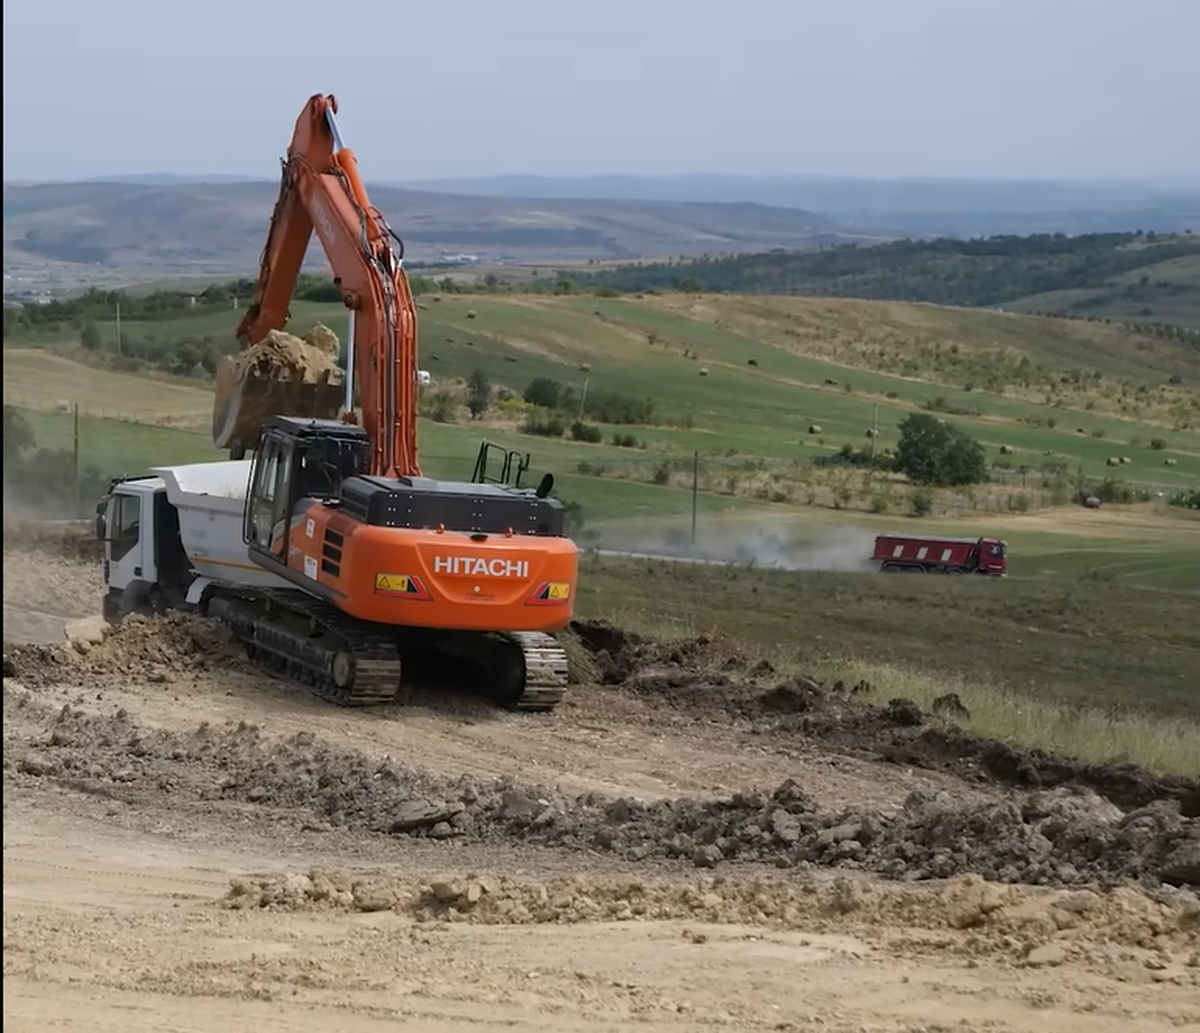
<point x="897" y="207"/>
<point x="1138" y="277"/>
<point x="202" y="228"/>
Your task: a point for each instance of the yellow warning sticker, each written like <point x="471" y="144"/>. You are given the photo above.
<point x="558" y="590"/>
<point x="391" y="583"/>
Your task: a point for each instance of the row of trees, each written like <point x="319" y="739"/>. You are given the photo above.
<point x="981" y="272"/>
<point x="95" y="305"/>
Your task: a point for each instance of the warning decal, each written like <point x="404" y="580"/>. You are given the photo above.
<point x="396" y="584"/>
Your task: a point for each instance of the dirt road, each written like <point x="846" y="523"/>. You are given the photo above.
<point x="191" y="846"/>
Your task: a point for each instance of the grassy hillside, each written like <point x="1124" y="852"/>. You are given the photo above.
<point x="737" y="377"/>
<point x="205" y="228"/>
<point x="1164" y="292"/>
<point x="1147" y="278"/>
<point x="763" y="389"/>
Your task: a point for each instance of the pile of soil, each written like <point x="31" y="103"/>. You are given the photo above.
<point x="1067" y="837"/>
<point x="310" y="359"/>
<point x="153" y="649"/>
<point x="710" y="678"/>
<point x="1013" y="920"/>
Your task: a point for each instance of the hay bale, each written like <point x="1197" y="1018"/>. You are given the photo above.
<point x="1170" y="462"/>
<point x="1007" y="450"/>
<point x="814" y="428"/>
<point x="1125" y="460"/>
<point x="1113" y="461"/>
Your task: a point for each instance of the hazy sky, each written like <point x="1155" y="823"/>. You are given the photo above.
<point x="1095" y="88"/>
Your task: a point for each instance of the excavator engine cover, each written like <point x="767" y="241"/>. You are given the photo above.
<point x="282" y="374"/>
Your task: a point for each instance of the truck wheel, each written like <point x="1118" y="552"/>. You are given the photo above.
<point x="953" y="570"/>
<point x="890" y="568"/>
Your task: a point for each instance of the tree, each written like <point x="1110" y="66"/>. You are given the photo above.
<point x="544" y="393"/>
<point x="479" y="393"/>
<point x="89" y="336"/>
<point x="18" y="434"/>
<point x="938" y="453"/>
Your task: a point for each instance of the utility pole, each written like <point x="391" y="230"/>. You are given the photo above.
<point x="583" y="398"/>
<point x="874" y="429"/>
<point x="75" y="460"/>
<point x="118" y="328"/>
<point x="695" y="489"/>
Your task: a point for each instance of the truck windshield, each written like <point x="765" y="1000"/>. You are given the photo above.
<point x="1000" y="550"/>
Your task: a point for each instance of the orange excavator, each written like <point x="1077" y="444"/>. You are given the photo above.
<point x="380" y="567"/>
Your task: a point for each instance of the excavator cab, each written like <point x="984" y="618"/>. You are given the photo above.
<point x="297" y="459"/>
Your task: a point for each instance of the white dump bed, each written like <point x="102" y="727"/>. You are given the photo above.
<point x="210" y="498"/>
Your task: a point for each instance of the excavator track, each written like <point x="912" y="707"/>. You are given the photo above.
<point x="545" y="671"/>
<point x="353" y="663"/>
<point x="342" y="660"/>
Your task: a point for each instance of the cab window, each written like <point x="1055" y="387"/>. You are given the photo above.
<point x="124" y="524"/>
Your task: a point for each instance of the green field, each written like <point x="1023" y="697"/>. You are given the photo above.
<point x="752" y="424"/>
<point x="658" y="346"/>
<point x="1101" y="674"/>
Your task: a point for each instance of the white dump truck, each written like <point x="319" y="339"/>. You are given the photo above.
<point x="172" y="532"/>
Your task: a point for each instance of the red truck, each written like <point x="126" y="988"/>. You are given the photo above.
<point x="927" y="555"/>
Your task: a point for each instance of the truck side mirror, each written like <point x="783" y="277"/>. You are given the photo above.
<point x="100" y="521"/>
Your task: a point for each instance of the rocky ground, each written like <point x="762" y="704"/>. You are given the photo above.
<point x="691" y="840"/>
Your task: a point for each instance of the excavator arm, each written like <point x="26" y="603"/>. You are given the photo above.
<point x="321" y="190"/>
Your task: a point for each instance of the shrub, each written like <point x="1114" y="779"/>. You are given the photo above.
<point x="544" y="424"/>
<point x="441" y="407"/>
<point x="581" y="431"/>
<point x="920" y="503"/>
<point x="544" y="393"/>
<point x="614" y="407"/>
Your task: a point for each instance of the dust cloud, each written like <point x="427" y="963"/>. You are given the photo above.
<point x="754" y="543"/>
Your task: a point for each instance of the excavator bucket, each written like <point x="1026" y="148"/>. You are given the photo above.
<point x="281" y="375"/>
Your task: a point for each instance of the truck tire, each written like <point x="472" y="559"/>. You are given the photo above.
<point x="890" y="568"/>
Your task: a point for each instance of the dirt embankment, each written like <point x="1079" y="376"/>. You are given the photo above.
<point x="714" y="679"/>
<point x="1080" y="825"/>
<point x="1058" y="837"/>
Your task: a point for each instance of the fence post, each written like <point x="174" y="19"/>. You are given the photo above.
<point x="695" y="489"/>
<point x="75" y="460"/>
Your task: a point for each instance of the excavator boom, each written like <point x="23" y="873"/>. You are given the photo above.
<point x="321" y="190"/>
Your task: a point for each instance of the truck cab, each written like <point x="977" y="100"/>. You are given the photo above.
<point x="992" y="557"/>
<point x="145" y="567"/>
